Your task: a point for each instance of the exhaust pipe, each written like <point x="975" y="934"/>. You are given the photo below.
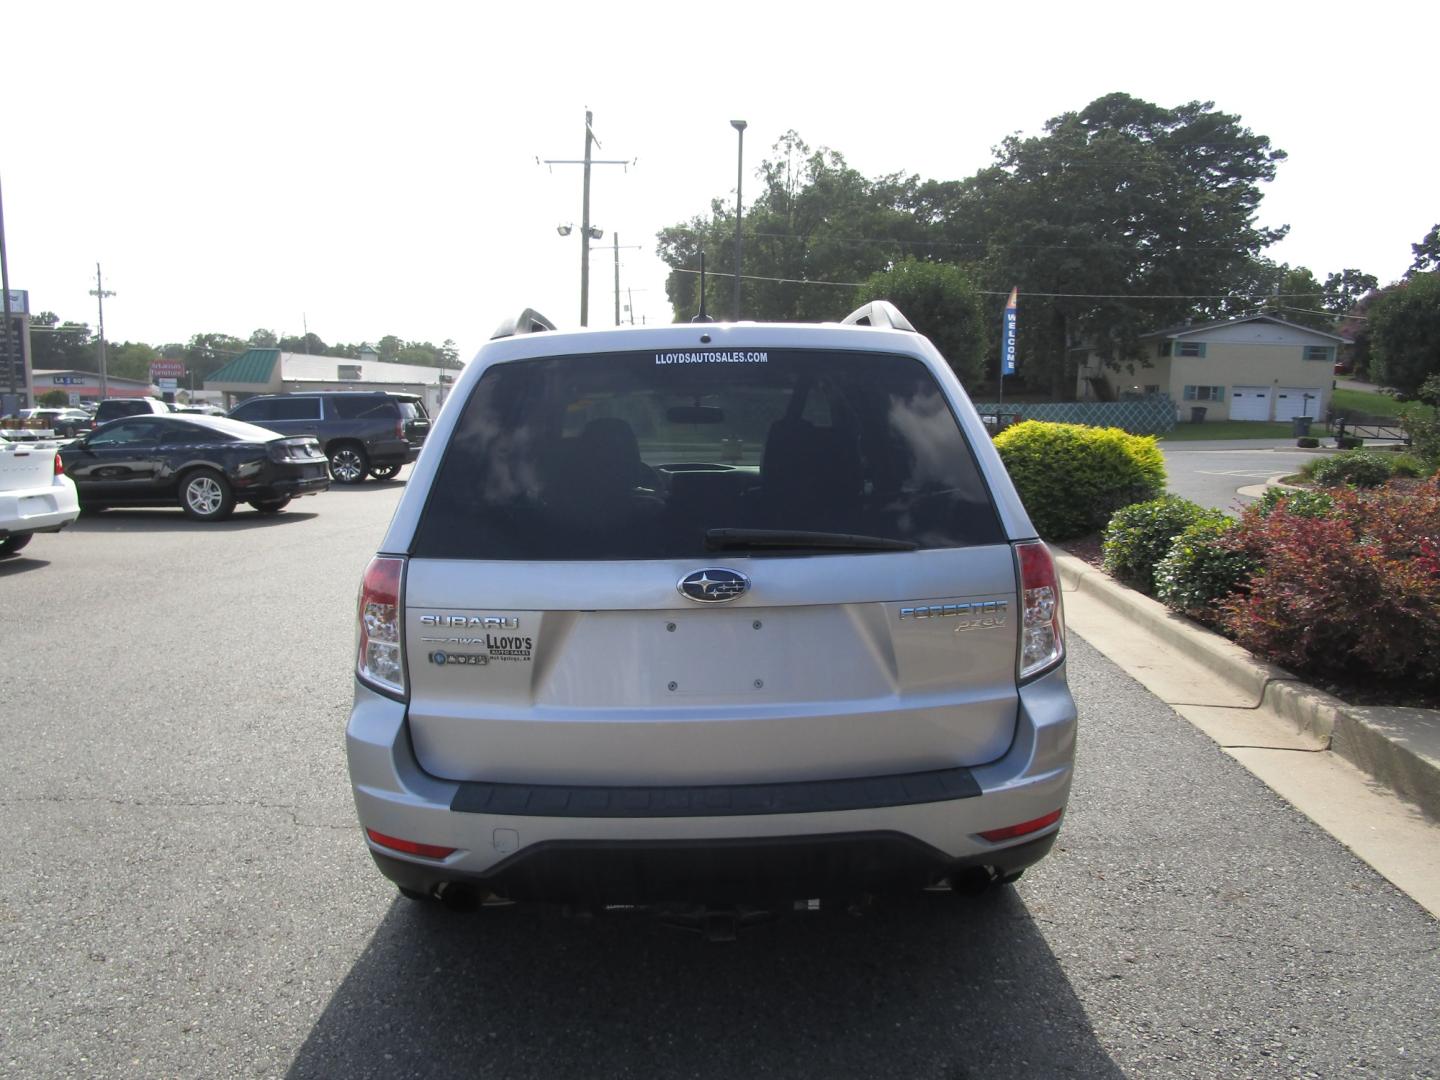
<point x="457" y="897"/>
<point x="973" y="880"/>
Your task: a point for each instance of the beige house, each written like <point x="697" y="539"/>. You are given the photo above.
<point x="1259" y="367"/>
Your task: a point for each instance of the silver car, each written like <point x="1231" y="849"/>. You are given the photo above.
<point x="709" y="615"/>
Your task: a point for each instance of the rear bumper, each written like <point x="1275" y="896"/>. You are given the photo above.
<point x="276" y="485"/>
<point x="293" y="488"/>
<point x="392" y="452"/>
<point x="735" y="871"/>
<point x="774" y="841"/>
<point x="44" y="509"/>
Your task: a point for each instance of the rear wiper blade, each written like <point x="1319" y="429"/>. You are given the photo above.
<point x="732" y="539"/>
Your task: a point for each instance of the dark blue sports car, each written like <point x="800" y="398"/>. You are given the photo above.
<point x="205" y="464"/>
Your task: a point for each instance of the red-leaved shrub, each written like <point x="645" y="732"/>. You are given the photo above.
<point x="1351" y="595"/>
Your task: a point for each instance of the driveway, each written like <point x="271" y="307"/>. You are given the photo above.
<point x="1210" y="473"/>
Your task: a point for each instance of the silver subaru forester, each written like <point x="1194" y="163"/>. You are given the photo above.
<point x="709" y="614"/>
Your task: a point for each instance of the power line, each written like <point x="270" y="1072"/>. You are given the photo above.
<point x="973" y="244"/>
<point x="1045" y="295"/>
<point x="1331" y="314"/>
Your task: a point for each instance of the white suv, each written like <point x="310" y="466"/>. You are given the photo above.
<point x="709" y="614"/>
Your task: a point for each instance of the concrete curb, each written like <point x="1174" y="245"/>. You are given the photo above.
<point x="1399" y="748"/>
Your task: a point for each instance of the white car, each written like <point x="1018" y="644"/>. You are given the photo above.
<point x="35" y="494"/>
<point x="707" y="617"/>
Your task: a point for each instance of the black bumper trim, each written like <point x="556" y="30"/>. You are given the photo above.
<point x="729" y="870"/>
<point x="717" y="800"/>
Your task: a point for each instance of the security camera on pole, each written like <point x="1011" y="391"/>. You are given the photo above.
<point x="587" y="233"/>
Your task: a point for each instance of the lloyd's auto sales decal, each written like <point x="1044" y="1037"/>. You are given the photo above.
<point x="475" y="640"/>
<point x="712" y="356"/>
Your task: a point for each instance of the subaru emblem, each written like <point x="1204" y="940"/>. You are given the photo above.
<point x="714" y="585"/>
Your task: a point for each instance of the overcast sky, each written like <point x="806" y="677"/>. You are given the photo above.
<point x="370" y="169"/>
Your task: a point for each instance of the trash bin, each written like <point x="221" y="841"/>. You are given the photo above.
<point x="1300" y="425"/>
<point x="1197" y="414"/>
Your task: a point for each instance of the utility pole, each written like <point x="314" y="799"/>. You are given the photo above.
<point x="100" y="292"/>
<point x="586" y="232"/>
<point x="5" y="286"/>
<point x="739" y="126"/>
<point x="616" y="245"/>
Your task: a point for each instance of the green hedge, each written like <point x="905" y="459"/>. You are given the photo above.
<point x="1203" y="567"/>
<point x="1071" y="478"/>
<point x="1362" y="468"/>
<point x="1139" y="536"/>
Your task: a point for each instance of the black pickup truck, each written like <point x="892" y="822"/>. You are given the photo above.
<point x="363" y="432"/>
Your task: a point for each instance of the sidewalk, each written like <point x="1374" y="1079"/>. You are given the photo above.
<point x="1304" y="743"/>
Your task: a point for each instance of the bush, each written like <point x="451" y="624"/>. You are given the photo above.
<point x="1203" y="567"/>
<point x="1349" y="442"/>
<point x="1301" y="501"/>
<point x="1307" y="442"/>
<point x="1358" y="467"/>
<point x="1139" y="536"/>
<point x="1071" y="478"/>
<point x="1422" y="426"/>
<point x="1353" y="594"/>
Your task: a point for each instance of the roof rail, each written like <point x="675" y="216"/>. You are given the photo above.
<point x="528" y="321"/>
<point x="879" y="313"/>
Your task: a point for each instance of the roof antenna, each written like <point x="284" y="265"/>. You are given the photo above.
<point x="702" y="317"/>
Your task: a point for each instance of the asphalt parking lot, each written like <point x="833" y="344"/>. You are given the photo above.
<point x="187" y="894"/>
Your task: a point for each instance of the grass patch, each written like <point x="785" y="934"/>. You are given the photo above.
<point x="1235" y="429"/>
<point x="1372" y="404"/>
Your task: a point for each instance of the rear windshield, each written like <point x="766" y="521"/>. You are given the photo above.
<point x="678" y="455"/>
<point x="362" y="407"/>
<point x="109" y="410"/>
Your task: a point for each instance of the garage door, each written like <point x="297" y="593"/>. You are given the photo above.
<point x="1250" y="403"/>
<point x="1293" y="401"/>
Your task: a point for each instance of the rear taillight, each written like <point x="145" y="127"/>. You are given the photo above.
<point x="1042" y="627"/>
<point x="59" y="466"/>
<point x="1025" y="828"/>
<point x="410" y="847"/>
<point x="380" y="661"/>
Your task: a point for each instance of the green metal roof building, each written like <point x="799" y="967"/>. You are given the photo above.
<point x="271" y="371"/>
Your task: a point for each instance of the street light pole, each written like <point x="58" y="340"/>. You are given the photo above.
<point x="5" y="287"/>
<point x="100" y="292"/>
<point x="585" y="229"/>
<point x="739" y="126"/>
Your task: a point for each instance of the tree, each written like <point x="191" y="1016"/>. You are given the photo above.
<point x="57" y="346"/>
<point x="1300" y="298"/>
<point x="1346" y="289"/>
<point x="208" y="353"/>
<point x="1294" y="294"/>
<point x="941" y="302"/>
<point x="1120" y="216"/>
<point x="816" y="230"/>
<point x="129" y="360"/>
<point x="264" y="339"/>
<point x="1427" y="253"/>
<point x="1405" y="334"/>
<point x="389" y="347"/>
<point x="55" y="399"/>
<point x="309" y="344"/>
